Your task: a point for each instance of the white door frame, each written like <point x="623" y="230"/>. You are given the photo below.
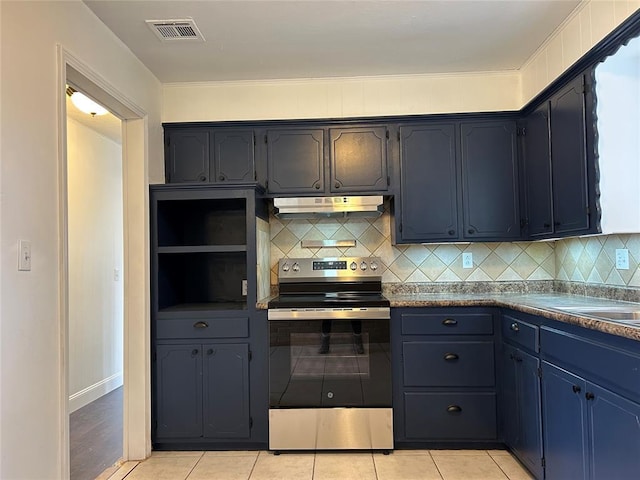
<point x="135" y="184"/>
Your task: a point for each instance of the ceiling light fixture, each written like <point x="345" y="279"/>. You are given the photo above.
<point x="85" y="104"/>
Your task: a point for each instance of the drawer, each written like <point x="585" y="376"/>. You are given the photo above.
<point x="520" y="333"/>
<point x="618" y="369"/>
<point x="448" y="364"/>
<point x="447" y="324"/>
<point x="237" y="327"/>
<point x="450" y="416"/>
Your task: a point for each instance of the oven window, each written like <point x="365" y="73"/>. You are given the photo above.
<point x="329" y="363"/>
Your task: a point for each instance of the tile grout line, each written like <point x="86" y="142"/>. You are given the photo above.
<point x="375" y="469"/>
<point x="435" y="464"/>
<point x="253" y="467"/>
<point x="499" y="467"/>
<point x="313" y="467"/>
<point x="195" y="465"/>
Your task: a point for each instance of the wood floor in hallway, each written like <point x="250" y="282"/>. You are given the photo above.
<point x="95" y="436"/>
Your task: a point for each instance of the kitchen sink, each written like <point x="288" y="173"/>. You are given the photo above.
<point x="622" y="313"/>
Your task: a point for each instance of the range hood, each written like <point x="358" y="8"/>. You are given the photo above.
<point x="328" y="207"/>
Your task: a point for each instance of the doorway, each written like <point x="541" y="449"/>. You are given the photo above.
<point x="134" y="274"/>
<point x="95" y="226"/>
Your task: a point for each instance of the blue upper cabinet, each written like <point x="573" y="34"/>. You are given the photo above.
<point x="295" y="160"/>
<point x="359" y="159"/>
<point x="428" y="198"/>
<point x="569" y="158"/>
<point x="233" y="156"/>
<point x="458" y="182"/>
<point x="537" y="166"/>
<point x="187" y="155"/>
<point x="205" y="155"/>
<point x="489" y="165"/>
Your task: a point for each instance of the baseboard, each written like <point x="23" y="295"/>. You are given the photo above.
<point x="95" y="391"/>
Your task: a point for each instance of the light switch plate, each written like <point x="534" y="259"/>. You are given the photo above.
<point x="622" y="259"/>
<point x="24" y="255"/>
<point x="244" y="288"/>
<point x="467" y="260"/>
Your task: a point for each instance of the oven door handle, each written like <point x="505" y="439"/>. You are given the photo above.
<point x="373" y="313"/>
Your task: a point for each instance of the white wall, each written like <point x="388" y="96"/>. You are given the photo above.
<point x="589" y="24"/>
<point x="30" y="324"/>
<point x="341" y="97"/>
<point x="96" y="296"/>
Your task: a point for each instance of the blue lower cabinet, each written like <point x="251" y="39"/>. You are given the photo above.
<point x="226" y="391"/>
<point x="202" y="392"/>
<point x="590" y="432"/>
<point x="450" y="416"/>
<point x="614" y="435"/>
<point x="178" y="397"/>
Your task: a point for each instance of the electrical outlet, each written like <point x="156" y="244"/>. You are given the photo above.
<point x="24" y="255"/>
<point x="244" y="288"/>
<point x="622" y="259"/>
<point x="467" y="260"/>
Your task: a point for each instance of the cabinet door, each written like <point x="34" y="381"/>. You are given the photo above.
<point x="564" y="424"/>
<point x="187" y="155"/>
<point x="429" y="202"/>
<point x="569" y="158"/>
<point x="509" y="417"/>
<point x="178" y="398"/>
<point x="226" y="390"/>
<point x="359" y="159"/>
<point x="529" y="447"/>
<point x="233" y="156"/>
<point x="537" y="164"/>
<point x="489" y="180"/>
<point x="295" y="160"/>
<point x="615" y="435"/>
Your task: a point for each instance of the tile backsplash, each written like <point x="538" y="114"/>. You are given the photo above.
<point x="506" y="261"/>
<point x="592" y="260"/>
<point x="589" y="260"/>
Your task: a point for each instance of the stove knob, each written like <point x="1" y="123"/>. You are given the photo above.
<point x="295" y="267"/>
<point x="353" y="265"/>
<point x="374" y="266"/>
<point x="285" y="267"/>
<point x="363" y="266"/>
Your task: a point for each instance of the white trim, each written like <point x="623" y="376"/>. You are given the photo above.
<point x="136" y="369"/>
<point x="94" y="392"/>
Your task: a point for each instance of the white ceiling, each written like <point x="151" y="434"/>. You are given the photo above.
<point x="266" y="39"/>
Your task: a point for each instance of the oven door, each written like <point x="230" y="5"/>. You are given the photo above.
<point x="328" y="362"/>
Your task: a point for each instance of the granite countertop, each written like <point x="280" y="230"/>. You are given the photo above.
<point x="542" y="304"/>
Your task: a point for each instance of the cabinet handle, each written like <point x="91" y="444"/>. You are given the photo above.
<point x="449" y="322"/>
<point x="194" y="351"/>
<point x="451" y="232"/>
<point x="337" y="185"/>
<point x="317" y="186"/>
<point x="518" y="359"/>
<point x="201" y="325"/>
<point x="576" y="389"/>
<point x="589" y="396"/>
<point x="557" y="224"/>
<point x="202" y="178"/>
<point x="211" y="351"/>
<point x="471" y="231"/>
<point x="547" y="225"/>
<point x="515" y="327"/>
<point x="454" y="409"/>
<point x="221" y="178"/>
<point x="450" y="357"/>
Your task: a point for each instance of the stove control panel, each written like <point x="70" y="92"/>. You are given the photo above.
<point x="329" y="268"/>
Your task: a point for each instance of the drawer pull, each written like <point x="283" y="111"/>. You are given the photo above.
<point x="211" y="351"/>
<point x="449" y="322"/>
<point x="589" y="396"/>
<point x="201" y="325"/>
<point x="450" y="357"/>
<point x="194" y="351"/>
<point x="454" y="409"/>
<point x="576" y="389"/>
<point x="515" y="327"/>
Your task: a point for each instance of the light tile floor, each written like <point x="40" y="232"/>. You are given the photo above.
<point x="399" y="465"/>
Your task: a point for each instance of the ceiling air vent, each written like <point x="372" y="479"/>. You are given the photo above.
<point x="180" y="29"/>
